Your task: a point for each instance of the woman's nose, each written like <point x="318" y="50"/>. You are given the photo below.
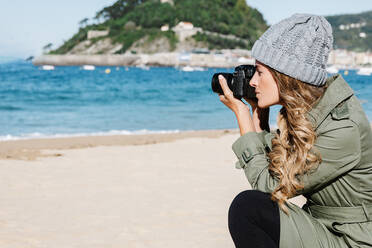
<point x="253" y="81"/>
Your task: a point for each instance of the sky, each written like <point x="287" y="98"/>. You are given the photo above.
<point x="26" y="26"/>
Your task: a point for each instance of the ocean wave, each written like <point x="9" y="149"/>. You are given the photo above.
<point x="108" y="133"/>
<point x="9" y="108"/>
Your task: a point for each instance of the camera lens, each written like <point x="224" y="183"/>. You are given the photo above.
<point x="238" y="82"/>
<point x="216" y="87"/>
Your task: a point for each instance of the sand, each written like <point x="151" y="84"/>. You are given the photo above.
<point x="31" y="149"/>
<point x="168" y="190"/>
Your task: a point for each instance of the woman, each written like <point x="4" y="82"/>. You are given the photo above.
<point x="322" y="148"/>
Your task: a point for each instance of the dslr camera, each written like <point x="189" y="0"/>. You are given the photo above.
<point x="238" y="82"/>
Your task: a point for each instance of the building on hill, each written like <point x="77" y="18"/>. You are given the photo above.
<point x="164" y="28"/>
<point x="185" y="29"/>
<point x="167" y="1"/>
<point x="184" y="26"/>
<point x="352" y="25"/>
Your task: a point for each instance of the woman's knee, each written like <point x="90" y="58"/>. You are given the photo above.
<point x="249" y="199"/>
<point x="253" y="206"/>
<point x="254" y="210"/>
<point x="246" y="208"/>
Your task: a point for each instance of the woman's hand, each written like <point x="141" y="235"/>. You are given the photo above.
<point x="240" y="109"/>
<point x="228" y="98"/>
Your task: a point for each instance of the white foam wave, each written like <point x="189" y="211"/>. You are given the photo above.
<point x="37" y="135"/>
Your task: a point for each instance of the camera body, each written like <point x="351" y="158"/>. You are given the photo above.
<point x="238" y="82"/>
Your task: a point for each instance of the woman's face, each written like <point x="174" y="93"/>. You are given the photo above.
<point x="266" y="88"/>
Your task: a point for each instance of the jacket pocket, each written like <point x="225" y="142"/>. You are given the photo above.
<point x="355" y="234"/>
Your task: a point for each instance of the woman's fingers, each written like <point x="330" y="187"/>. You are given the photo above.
<point x="225" y="88"/>
<point x="228" y="98"/>
<point x="222" y="98"/>
<point x="226" y="101"/>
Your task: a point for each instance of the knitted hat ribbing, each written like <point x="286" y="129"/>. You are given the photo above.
<point x="298" y="46"/>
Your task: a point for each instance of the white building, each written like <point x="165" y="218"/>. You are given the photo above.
<point x="185" y="29"/>
<point x="352" y="25"/>
<point x="167" y="1"/>
<point x="362" y="35"/>
<point x="164" y="28"/>
<point x="183" y="26"/>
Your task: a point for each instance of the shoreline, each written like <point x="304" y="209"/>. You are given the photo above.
<point x="226" y="59"/>
<point x="157" y="59"/>
<point x="34" y="148"/>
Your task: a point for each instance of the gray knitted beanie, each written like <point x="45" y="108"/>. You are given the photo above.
<point x="298" y="47"/>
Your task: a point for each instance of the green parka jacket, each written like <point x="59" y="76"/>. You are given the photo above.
<point x="338" y="212"/>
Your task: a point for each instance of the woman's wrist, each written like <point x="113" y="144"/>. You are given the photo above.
<point x="244" y="119"/>
<point x="243" y="110"/>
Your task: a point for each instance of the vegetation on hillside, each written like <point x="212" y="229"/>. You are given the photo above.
<point x="218" y="42"/>
<point x="131" y="20"/>
<point x="350" y="38"/>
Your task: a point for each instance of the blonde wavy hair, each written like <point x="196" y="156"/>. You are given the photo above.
<point x="292" y="154"/>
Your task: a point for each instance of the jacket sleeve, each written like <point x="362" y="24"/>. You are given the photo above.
<point x="251" y="150"/>
<point x="338" y="145"/>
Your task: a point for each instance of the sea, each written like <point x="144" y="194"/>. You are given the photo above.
<point x="70" y="101"/>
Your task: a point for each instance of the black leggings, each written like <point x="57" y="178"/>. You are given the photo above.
<point x="254" y="220"/>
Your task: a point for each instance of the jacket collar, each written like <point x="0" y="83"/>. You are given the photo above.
<point x="338" y="90"/>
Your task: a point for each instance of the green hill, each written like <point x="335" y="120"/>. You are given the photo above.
<point x="348" y="31"/>
<point x="129" y="21"/>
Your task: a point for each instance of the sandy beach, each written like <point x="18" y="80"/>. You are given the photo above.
<point x="160" y="190"/>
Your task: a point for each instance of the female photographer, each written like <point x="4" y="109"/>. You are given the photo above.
<point x="322" y="148"/>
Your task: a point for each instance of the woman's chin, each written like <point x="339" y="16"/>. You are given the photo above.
<point x="260" y="104"/>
